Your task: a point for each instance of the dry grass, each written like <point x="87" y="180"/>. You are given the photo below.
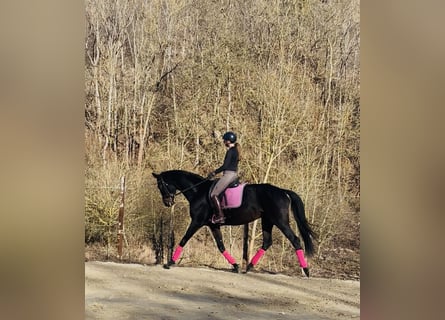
<point x="340" y="258"/>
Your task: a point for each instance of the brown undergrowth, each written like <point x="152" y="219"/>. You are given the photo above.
<point x="332" y="262"/>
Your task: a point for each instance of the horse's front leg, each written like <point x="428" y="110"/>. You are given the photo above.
<point x="191" y="230"/>
<point x="216" y="231"/>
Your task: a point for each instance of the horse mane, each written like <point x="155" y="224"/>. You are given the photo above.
<point x="191" y="175"/>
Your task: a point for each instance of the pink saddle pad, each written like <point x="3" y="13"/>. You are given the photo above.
<point x="233" y="197"/>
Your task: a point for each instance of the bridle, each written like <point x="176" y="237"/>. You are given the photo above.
<point x="167" y="197"/>
<point x="171" y="196"/>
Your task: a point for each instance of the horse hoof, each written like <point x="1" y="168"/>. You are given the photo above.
<point x="167" y="265"/>
<point x="235" y="268"/>
<point x="306" y="271"/>
<point x="249" y="267"/>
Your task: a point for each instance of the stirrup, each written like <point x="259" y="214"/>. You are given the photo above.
<point x="218" y="220"/>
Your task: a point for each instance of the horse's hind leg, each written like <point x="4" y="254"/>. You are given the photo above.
<point x="216" y="231"/>
<point x="267" y="242"/>
<point x="289" y="233"/>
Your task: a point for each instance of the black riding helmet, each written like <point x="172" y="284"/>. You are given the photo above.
<point x="230" y="136"/>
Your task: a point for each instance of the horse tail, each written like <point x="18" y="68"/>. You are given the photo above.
<point x="303" y="225"/>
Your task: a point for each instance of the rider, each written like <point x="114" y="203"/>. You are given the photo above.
<point x="230" y="173"/>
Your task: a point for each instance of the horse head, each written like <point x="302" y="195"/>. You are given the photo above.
<point x="167" y="190"/>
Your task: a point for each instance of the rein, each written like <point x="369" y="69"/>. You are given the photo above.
<point x="182" y="191"/>
<point x="191" y="187"/>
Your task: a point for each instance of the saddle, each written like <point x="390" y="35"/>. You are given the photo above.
<point x="232" y="197"/>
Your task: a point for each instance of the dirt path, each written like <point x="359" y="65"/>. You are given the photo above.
<point x="129" y="291"/>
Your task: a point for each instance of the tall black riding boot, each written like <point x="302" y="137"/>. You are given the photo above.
<point x="220" y="217"/>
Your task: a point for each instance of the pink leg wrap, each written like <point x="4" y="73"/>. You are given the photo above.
<point x="257" y="256"/>
<point x="228" y="257"/>
<point x="300" y="256"/>
<point x="177" y="253"/>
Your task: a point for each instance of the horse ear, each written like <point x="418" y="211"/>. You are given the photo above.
<point x="155" y="175"/>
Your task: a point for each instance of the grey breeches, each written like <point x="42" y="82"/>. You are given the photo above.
<point x="227" y="178"/>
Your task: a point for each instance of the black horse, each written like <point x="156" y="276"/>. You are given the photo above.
<point x="264" y="201"/>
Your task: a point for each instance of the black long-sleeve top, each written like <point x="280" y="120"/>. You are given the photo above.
<point x="230" y="161"/>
